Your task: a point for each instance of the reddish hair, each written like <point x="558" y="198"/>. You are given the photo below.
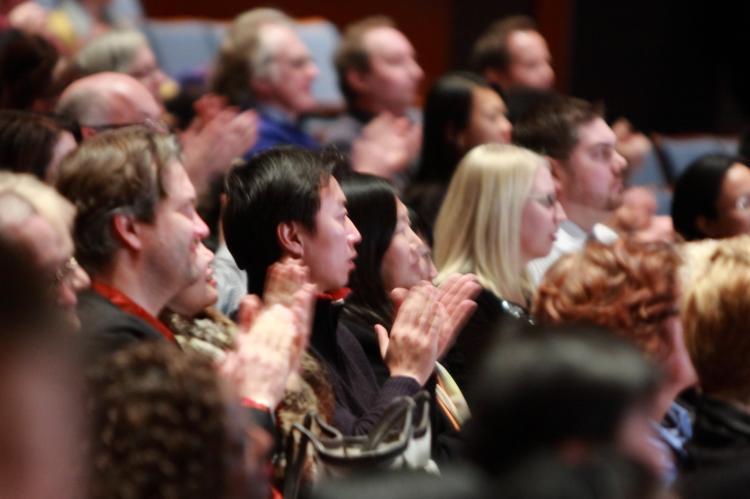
<point x="629" y="287"/>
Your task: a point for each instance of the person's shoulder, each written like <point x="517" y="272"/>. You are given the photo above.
<point x="105" y="327"/>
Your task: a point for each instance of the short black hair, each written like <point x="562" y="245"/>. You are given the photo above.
<point x="491" y="49"/>
<point x="545" y="385"/>
<point x="278" y="185"/>
<point x="697" y="191"/>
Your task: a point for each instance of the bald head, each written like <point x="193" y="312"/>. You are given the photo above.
<point x="108" y="99"/>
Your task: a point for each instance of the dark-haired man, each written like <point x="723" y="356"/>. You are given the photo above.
<point x="512" y="53"/>
<point x="286" y="203"/>
<point x="587" y="168"/>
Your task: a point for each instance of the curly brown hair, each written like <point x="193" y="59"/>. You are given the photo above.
<point x="629" y="287"/>
<point x="160" y="426"/>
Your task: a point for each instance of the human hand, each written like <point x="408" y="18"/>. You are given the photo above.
<point x="215" y="139"/>
<point x="411" y="348"/>
<point x="386" y="146"/>
<point x="272" y="335"/>
<point x="456" y="294"/>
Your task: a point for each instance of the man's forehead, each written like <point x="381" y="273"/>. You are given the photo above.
<point x="596" y="132"/>
<point x="282" y="40"/>
<point x="176" y="183"/>
<point x="383" y="40"/>
<point x="331" y="192"/>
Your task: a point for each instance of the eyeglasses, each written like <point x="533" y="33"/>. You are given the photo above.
<point x="65" y="273"/>
<point x="546" y="200"/>
<point x="155" y="125"/>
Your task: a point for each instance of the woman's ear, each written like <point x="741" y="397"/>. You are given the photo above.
<point x="454" y="136"/>
<point x="289" y="236"/>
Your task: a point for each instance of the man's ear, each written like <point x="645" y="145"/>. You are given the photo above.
<point x="261" y="86"/>
<point x="356" y="80"/>
<point x="496" y="76"/>
<point x="126" y="230"/>
<point x="559" y="173"/>
<point x="290" y="239"/>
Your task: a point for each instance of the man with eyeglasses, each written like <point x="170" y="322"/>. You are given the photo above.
<point x="588" y="171"/>
<point x="107" y="100"/>
<point x="278" y="73"/>
<point x="40" y="220"/>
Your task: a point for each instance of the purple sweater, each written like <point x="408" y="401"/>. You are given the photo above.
<point x="360" y="402"/>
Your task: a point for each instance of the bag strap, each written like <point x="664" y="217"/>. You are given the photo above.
<point x="399" y="409"/>
<point x="296" y="454"/>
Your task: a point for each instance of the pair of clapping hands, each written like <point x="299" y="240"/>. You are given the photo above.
<point x="274" y="332"/>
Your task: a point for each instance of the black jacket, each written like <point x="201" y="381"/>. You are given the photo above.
<point x="106" y="328"/>
<point x="478" y="335"/>
<point x="721" y="434"/>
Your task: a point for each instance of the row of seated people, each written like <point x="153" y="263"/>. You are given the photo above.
<point x="347" y="310"/>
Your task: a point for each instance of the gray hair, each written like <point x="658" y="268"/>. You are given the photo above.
<point x="112" y="51"/>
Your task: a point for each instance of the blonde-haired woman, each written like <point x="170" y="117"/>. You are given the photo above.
<point x="500" y="212"/>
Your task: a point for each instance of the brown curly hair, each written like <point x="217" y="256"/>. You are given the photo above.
<point x="629" y="287"/>
<point x="159" y="422"/>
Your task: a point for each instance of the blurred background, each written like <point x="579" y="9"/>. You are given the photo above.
<point x="672" y="67"/>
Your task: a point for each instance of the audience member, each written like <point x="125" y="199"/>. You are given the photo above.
<point x="136" y="232"/>
<point x="264" y="64"/>
<point x="568" y="392"/>
<point x="462" y="111"/>
<point x="41" y="421"/>
<point x="379" y="77"/>
<point x="632" y="289"/>
<point x="105" y="101"/>
<point x="512" y="53"/>
<point x="587" y="169"/>
<point x="714" y="313"/>
<point x="500" y="212"/>
<point x="40" y="220"/>
<point x="712" y="198"/>
<point x="28" y="63"/>
<point x="285" y="203"/>
<point x="33" y="143"/>
<point x="163" y="425"/>
<point x="124" y="51"/>
<point x="390" y="260"/>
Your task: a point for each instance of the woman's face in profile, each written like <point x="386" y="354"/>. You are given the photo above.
<point x="404" y="262"/>
<point x="732" y="205"/>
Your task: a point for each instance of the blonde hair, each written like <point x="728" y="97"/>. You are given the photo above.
<point x="478" y="228"/>
<point x="716" y="307"/>
<point x="112" y="51"/>
<point x="43" y="199"/>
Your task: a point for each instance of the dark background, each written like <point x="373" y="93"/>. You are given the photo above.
<point x="668" y="66"/>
